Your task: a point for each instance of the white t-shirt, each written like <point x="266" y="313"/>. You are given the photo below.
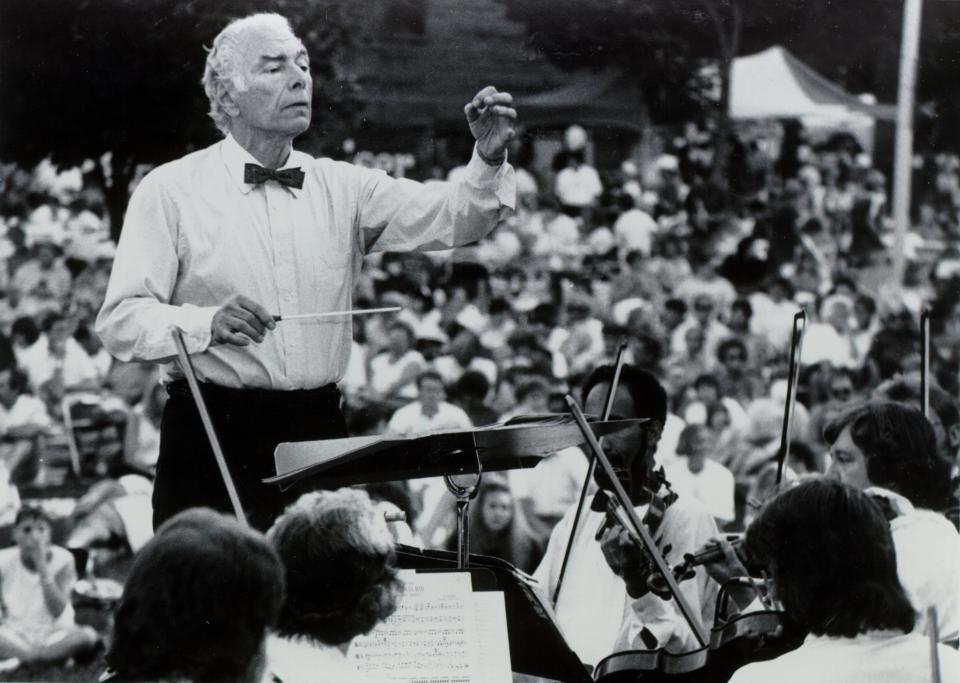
<point x="26" y="410"/>
<point x="634" y="231"/>
<point x="928" y="563"/>
<point x="876" y="657"/>
<point x="26" y="612"/>
<point x="578" y="186"/>
<point x="384" y="371"/>
<point x="77" y="366"/>
<point x="410" y="419"/>
<point x="712" y="486"/>
<point x="554" y="484"/>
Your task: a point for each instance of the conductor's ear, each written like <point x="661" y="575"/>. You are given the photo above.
<point x="226" y="97"/>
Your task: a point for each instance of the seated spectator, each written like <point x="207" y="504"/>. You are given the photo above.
<point x="198" y="603"/>
<point x="584" y="346"/>
<point x="696" y="474"/>
<point x="465" y="353"/>
<point x="832" y="339"/>
<point x="44" y="280"/>
<point x="431" y="412"/>
<point x="735" y="374"/>
<point x="116" y="513"/>
<point x="833" y="564"/>
<point x="532" y="398"/>
<point x="501" y="325"/>
<point x="36" y="580"/>
<point x="23" y="419"/>
<point x="703" y="317"/>
<point x="338" y="558"/>
<point x="498" y="526"/>
<point x="470" y="394"/>
<point x="393" y="372"/>
<point x="61" y="365"/>
<point x="707" y="392"/>
<point x="759" y="350"/>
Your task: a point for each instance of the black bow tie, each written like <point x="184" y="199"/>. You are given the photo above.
<point x="291" y="177"/>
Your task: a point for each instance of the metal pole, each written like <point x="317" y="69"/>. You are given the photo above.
<point x="903" y="158"/>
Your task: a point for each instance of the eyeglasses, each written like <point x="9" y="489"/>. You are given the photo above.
<point x="842" y="393"/>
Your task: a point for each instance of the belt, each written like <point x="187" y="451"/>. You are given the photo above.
<point x="328" y="392"/>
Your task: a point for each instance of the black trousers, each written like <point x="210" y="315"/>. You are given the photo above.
<point x="249" y="424"/>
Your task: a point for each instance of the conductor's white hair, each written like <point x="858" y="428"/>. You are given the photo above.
<point x="224" y="60"/>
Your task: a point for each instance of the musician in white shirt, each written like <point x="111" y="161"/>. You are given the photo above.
<point x="603" y="606"/>
<point x="831" y="558"/>
<point x="889" y="450"/>
<point x="220" y="241"/>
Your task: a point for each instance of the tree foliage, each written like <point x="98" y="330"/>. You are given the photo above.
<point x="664" y="43"/>
<point x="84" y="77"/>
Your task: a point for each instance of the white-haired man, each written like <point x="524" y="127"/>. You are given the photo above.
<point x="220" y="241"/>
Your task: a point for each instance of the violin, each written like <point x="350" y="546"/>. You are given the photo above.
<point x="734" y="641"/>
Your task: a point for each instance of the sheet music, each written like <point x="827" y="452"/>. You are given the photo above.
<point x="493" y="646"/>
<point x="440" y="633"/>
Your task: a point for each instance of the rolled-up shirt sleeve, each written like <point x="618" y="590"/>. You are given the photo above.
<point x="404" y="215"/>
<point x="137" y="315"/>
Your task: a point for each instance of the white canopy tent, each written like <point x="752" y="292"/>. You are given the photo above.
<point x="773" y="84"/>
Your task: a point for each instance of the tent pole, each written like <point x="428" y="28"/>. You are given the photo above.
<point x="903" y="159"/>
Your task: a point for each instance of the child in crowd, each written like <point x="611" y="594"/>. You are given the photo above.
<point x="36" y="579"/>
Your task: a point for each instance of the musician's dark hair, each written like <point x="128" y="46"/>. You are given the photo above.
<point x="830" y="552"/>
<point x="899" y="446"/>
<point x="649" y="396"/>
<point x="199" y="601"/>
<point x="340" y="568"/>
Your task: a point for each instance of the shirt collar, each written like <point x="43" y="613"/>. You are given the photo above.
<point x="235" y="157"/>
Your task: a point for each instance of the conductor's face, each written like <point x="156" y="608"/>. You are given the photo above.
<point x="276" y="99"/>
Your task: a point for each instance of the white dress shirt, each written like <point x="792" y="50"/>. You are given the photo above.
<point x="928" y="563"/>
<point x="195" y="234"/>
<point x="873" y="657"/>
<point x="596" y="614"/>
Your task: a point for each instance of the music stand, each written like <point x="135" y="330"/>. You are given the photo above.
<point x="519" y="443"/>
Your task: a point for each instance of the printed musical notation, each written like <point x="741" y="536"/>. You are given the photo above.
<point x="440" y="633"/>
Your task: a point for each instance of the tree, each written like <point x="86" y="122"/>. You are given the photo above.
<point x="666" y="43"/>
<point x="85" y="77"/>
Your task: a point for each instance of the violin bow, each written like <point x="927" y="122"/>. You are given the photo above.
<point x="925" y="362"/>
<point x="793" y="377"/>
<point x="934" y="636"/>
<point x="188" y="370"/>
<point x="607" y="409"/>
<point x="639" y="529"/>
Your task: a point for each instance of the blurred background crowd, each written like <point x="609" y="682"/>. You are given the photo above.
<point x="701" y="285"/>
<point x="688" y="239"/>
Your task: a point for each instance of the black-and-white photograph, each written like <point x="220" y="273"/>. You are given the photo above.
<point x="480" y="341"/>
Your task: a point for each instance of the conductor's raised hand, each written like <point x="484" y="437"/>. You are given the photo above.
<point x="239" y="321"/>
<point x="492" y="120"/>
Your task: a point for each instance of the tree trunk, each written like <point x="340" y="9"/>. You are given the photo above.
<point x="117" y="190"/>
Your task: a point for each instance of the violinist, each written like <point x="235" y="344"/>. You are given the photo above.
<point x="604" y="605"/>
<point x="832" y="563"/>
<point x="889" y="450"/>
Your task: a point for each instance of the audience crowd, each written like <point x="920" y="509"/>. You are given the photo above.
<point x="701" y="283"/>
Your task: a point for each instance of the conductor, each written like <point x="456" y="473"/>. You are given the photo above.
<point x="218" y="242"/>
